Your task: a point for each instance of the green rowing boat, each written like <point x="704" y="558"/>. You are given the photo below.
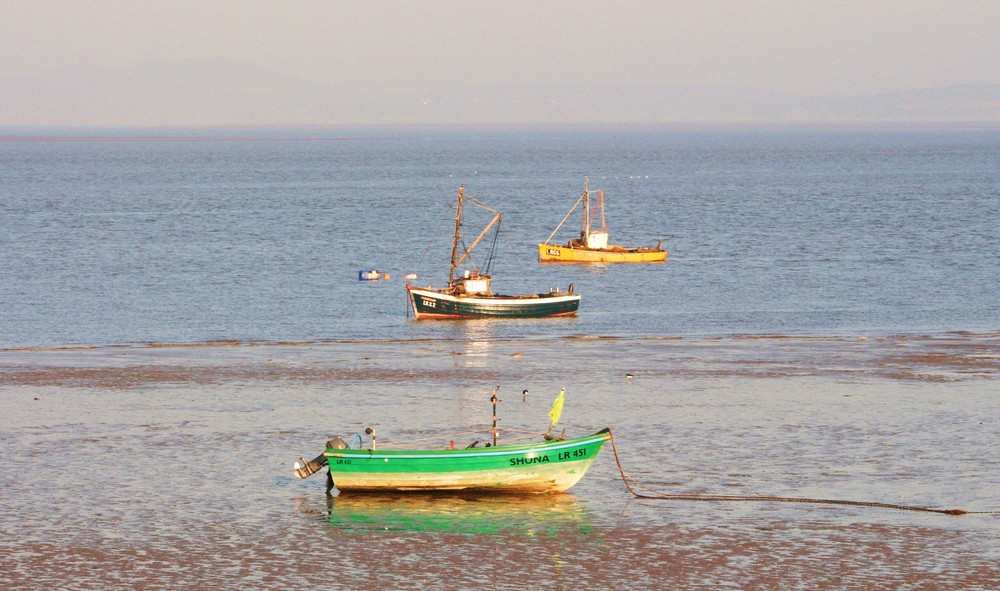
<point x="549" y="466"/>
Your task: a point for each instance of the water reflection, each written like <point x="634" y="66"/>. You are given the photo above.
<point x="476" y="353"/>
<point x="531" y="515"/>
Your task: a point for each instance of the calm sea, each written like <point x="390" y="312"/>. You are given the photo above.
<point x="189" y="236"/>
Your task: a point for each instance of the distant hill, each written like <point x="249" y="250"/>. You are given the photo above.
<point x="195" y="92"/>
<point x="234" y="92"/>
<point x="949" y="103"/>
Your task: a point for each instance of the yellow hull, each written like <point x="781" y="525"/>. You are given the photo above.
<point x="551" y="253"/>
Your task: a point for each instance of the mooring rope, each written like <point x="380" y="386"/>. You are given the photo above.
<point x="657" y="495"/>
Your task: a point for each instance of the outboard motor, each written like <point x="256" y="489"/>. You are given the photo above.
<point x="304" y="469"/>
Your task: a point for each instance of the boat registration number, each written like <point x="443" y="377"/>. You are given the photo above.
<point x="580" y="452"/>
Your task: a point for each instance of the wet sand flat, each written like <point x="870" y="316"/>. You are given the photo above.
<point x="165" y="466"/>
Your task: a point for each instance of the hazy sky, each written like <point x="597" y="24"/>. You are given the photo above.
<point x="806" y="47"/>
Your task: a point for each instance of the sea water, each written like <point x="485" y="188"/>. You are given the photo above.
<point x="207" y="235"/>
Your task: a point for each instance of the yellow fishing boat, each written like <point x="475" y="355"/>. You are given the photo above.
<point x="592" y="245"/>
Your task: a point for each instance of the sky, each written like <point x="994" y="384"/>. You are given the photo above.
<point x="384" y="54"/>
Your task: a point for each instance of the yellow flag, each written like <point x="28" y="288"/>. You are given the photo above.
<point x="556" y="411"/>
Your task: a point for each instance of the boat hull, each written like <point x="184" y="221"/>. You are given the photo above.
<point x="551" y="253"/>
<point x="547" y="467"/>
<point x="431" y="304"/>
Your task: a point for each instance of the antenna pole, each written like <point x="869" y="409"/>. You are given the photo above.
<point x="494" y="400"/>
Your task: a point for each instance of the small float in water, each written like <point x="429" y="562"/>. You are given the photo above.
<point x="372" y="275"/>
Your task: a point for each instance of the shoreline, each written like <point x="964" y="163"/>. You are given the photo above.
<point x="956" y="333"/>
<point x="952" y="357"/>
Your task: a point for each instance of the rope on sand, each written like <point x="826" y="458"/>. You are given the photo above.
<point x="653" y="494"/>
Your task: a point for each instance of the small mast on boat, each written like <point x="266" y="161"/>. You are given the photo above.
<point x="589" y="236"/>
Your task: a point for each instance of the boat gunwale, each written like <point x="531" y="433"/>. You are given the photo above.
<point x="499" y="450"/>
<point x="613" y="248"/>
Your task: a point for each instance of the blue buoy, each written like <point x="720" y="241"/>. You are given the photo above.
<point x="372" y="275"/>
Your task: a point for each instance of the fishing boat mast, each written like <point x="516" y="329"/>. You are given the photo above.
<point x="457" y="260"/>
<point x="458" y="227"/>
<point x="589" y="213"/>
